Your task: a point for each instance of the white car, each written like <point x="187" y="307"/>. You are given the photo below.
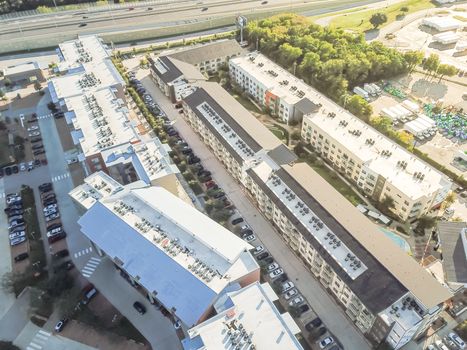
<point x="276" y="273"/>
<point x="18" y="240"/>
<point x="258" y="249"/>
<point x="17" y="234"/>
<point x="296" y="301"/>
<point x="33" y="128"/>
<point x="50" y="207"/>
<point x="291" y="293"/>
<point x="52" y="216"/>
<point x="177" y="324"/>
<point x="456" y="339"/>
<point x="287" y="286"/>
<point x="34" y="133"/>
<point x="244" y="227"/>
<point x="325" y="342"/>
<point x="440" y="345"/>
<point x="22" y="167"/>
<point x="13" y="198"/>
<point x="272" y="267"/>
<point x="249" y="238"/>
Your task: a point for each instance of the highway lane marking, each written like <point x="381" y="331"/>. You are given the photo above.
<point x="83" y="252"/>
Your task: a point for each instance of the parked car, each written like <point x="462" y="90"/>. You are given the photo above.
<point x="57" y="237"/>
<point x="21" y="257"/>
<point x="34" y="133"/>
<point x="12" y="213"/>
<point x="272" y="267"/>
<point x="262" y="256"/>
<point x="287" y="286"/>
<point x="139" y="307"/>
<point x="89" y="292"/>
<point x="17" y="241"/>
<point x="17" y="234"/>
<point x="258" y="249"/>
<point x="61" y="253"/>
<point x="16" y="223"/>
<point x="249" y="238"/>
<point x="53" y="225"/>
<point x="36" y="153"/>
<point x="33" y="128"/>
<point x="291" y="293"/>
<point x="457" y="340"/>
<point x="54" y="231"/>
<point x="7" y="171"/>
<point x="177" y="324"/>
<point x="45" y="187"/>
<point x="303" y="308"/>
<point x="17" y="229"/>
<point x="37" y="146"/>
<point x="49" y="202"/>
<point x="193" y="160"/>
<point x="313" y="324"/>
<point x="12" y="198"/>
<point x="296" y="301"/>
<point x="50" y="207"/>
<point x="36" y="139"/>
<point x="46" y="196"/>
<point x="60" y="325"/>
<point x="325" y="342"/>
<point x="52" y="217"/>
<point x="276" y="273"/>
<point x="268" y="260"/>
<point x="237" y="221"/>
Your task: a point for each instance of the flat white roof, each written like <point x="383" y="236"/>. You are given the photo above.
<point x="86" y="49"/>
<point x="442" y="22"/>
<point x="168" y="247"/>
<point x="339" y="128"/>
<point x="21" y="68"/>
<point x="250" y="319"/>
<point x="95" y="187"/>
<point x="100" y="121"/>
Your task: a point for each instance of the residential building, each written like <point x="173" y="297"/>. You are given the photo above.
<point x="382" y="290"/>
<point x="375" y="164"/>
<point x="174" y="77"/>
<point x="181" y="258"/>
<point x="24" y="73"/>
<point x="246" y="319"/>
<point x="273" y="87"/>
<point x="207" y="58"/>
<point x="452" y="238"/>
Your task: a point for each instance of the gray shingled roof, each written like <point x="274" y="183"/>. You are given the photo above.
<point x="454" y="258"/>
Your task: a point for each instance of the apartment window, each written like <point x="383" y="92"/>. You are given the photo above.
<point x="320" y="136"/>
<point x="406" y="202"/>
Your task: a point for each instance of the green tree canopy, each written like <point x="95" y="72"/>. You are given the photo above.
<point x="413" y="59"/>
<point x="378" y="19"/>
<point x="359" y="107"/>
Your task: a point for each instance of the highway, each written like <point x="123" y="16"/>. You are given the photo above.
<point x="48" y="30"/>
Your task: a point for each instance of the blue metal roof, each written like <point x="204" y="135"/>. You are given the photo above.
<point x="175" y="286"/>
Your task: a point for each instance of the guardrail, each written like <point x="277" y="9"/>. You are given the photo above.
<point x="88" y="7"/>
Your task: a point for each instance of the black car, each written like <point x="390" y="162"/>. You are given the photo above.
<point x="187" y="150"/>
<point x="139" y="307"/>
<point x="21" y="257"/>
<point x="15" y="169"/>
<point x="246" y="232"/>
<point x="82" y="25"/>
<point x="38" y="146"/>
<point x="50" y="201"/>
<point x="193" y="160"/>
<point x="15" y="212"/>
<point x="13" y="207"/>
<point x="61" y="253"/>
<point x="54" y="226"/>
<point x="269" y="260"/>
<point x="237" y="221"/>
<point x="45" y="187"/>
<point x="321" y="332"/>
<point x="219" y="194"/>
<point x="204" y="173"/>
<point x="313" y="324"/>
<point x="262" y="256"/>
<point x="36" y="153"/>
<point x="8" y="171"/>
<point x="303" y="308"/>
<point x="57" y="237"/>
<point x="37" y="162"/>
<point x="36" y="139"/>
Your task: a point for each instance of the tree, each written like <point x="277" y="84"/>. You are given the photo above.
<point x="295" y="135"/>
<point x="425" y="222"/>
<point x="360" y="107"/>
<point x="431" y="64"/>
<point x="446" y="69"/>
<point x="6" y="345"/>
<point x="413" y="59"/>
<point x="450" y="198"/>
<point x="289" y="54"/>
<point x="405" y="137"/>
<point x="37" y="85"/>
<point x="388" y="202"/>
<point x="404" y="9"/>
<point x="59" y="282"/>
<point x="378" y="19"/>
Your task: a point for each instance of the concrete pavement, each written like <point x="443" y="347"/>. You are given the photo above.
<point x="331" y="314"/>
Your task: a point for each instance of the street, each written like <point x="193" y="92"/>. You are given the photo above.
<point x="322" y="303"/>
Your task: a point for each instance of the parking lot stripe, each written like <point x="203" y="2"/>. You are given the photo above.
<point x="37" y="346"/>
<point x="45" y="333"/>
<point x="41" y="336"/>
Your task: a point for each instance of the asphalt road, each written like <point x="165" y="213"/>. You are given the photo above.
<point x="44" y="29"/>
<point x="320" y="301"/>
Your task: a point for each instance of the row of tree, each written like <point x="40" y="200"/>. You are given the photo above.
<point x="7" y="6"/>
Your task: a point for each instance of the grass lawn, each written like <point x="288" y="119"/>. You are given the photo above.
<point x="360" y="21"/>
<point x="336" y="182"/>
<point x="245" y="102"/>
<point x="279" y="132"/>
<point x="330" y="14"/>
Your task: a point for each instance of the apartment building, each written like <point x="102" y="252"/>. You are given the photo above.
<point x="273" y="87"/>
<point x="28" y="72"/>
<point x="180" y="257"/>
<point x="375" y="164"/>
<point x="246" y="319"/>
<point x="209" y="57"/>
<point x="382" y="290"/>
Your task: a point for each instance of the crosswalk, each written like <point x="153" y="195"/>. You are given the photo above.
<point x="83" y="252"/>
<point x="2" y="195"/>
<point x="45" y="116"/>
<point x="90" y="267"/>
<point x="60" y="177"/>
<point x="39" y="340"/>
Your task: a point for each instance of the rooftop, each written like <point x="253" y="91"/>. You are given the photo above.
<point x="85" y="50"/>
<point x="170" y="69"/>
<point x="380" y="154"/>
<point x="100" y="121"/>
<point x="175" y="250"/>
<point x="251" y="321"/>
<point x="20" y="68"/>
<point x="206" y="52"/>
<point x="95" y="187"/>
<point x="453" y="240"/>
<point x="242" y="133"/>
<point x="355" y="226"/>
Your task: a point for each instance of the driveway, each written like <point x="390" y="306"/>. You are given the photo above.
<point x="322" y="303"/>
